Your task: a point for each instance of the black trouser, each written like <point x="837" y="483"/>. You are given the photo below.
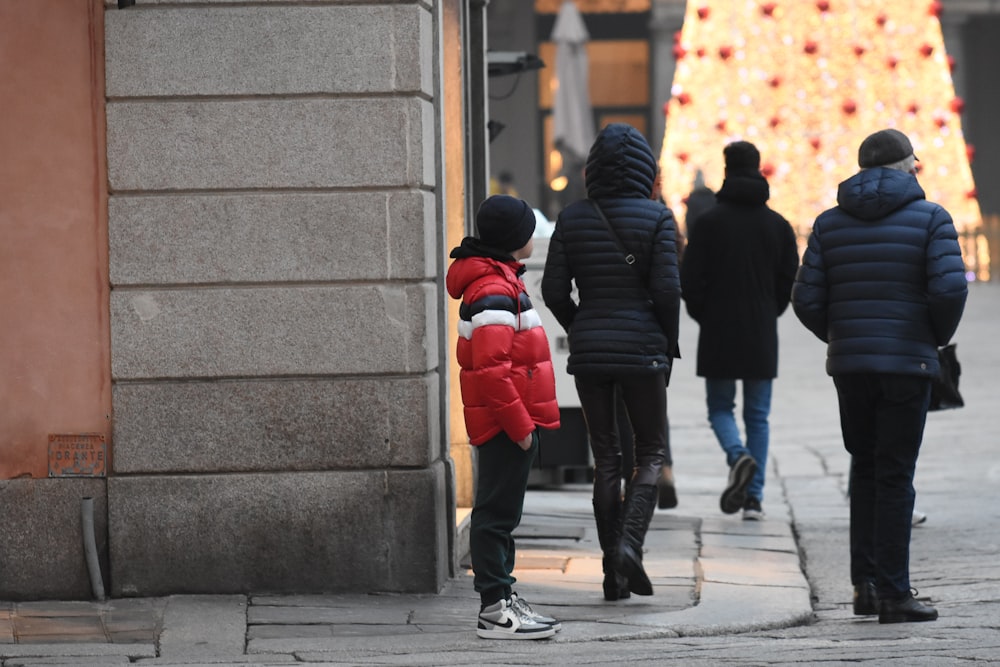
<point x="625" y="433"/>
<point x="645" y="399"/>
<point x="882" y="418"/>
<point x="500" y="487"/>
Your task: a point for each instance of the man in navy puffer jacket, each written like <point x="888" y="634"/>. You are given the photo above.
<point x="882" y="283"/>
<point x="622" y="335"/>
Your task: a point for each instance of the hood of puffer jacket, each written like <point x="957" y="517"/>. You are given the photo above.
<point x="620" y="164"/>
<point x="874" y="193"/>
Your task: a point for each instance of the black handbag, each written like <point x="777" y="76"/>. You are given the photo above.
<point x="944" y="388"/>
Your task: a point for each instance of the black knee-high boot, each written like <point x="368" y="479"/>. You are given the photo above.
<point x="608" y="516"/>
<point x="640" y="502"/>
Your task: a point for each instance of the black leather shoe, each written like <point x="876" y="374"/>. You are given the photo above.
<point x="865" y="599"/>
<point x="907" y="610"/>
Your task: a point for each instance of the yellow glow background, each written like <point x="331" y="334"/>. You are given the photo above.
<point x="791" y="104"/>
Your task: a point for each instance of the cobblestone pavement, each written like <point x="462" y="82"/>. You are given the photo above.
<point x="728" y="592"/>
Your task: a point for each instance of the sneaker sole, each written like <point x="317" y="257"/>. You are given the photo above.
<point x="736" y="494"/>
<point x="507" y="634"/>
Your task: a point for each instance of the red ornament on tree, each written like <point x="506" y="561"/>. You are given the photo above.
<point x="721" y="125"/>
<point x="891" y="62"/>
<point x="970" y="152"/>
<point x="810" y="47"/>
<point x="823" y="5"/>
<point x="881" y="20"/>
<point x="725" y="52"/>
<point x="926" y="50"/>
<point x="677" y="37"/>
<point x="859" y="50"/>
<point x="815" y="142"/>
<point x="972" y="194"/>
<point x="666" y="108"/>
<point x="767" y="9"/>
<point x="775" y="121"/>
<point x="683" y="157"/>
<point x="913" y="108"/>
<point x="940" y="121"/>
<point x="703" y="12"/>
<point x="934" y="9"/>
<point x="679" y="52"/>
<point x="684" y="98"/>
<point x="700" y="51"/>
<point x="951" y="63"/>
<point x="774" y="81"/>
<point x="957" y="105"/>
<point x="849" y="107"/>
<point x="767" y="169"/>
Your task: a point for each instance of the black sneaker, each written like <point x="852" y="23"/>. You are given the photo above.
<point x="752" y="511"/>
<point x="906" y="610"/>
<point x="865" y="599"/>
<point x="740" y="476"/>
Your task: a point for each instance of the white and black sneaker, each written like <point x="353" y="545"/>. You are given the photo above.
<point x="522" y="606"/>
<point x="501" y="620"/>
<point x="752" y="510"/>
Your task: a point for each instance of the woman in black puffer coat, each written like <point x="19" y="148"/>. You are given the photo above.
<point x="622" y="329"/>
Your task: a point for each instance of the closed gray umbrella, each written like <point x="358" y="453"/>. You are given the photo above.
<point x="573" y="126"/>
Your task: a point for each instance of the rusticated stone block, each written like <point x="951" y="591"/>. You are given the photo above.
<point x="286" y="532"/>
<point x="276" y="237"/>
<point x="267" y="331"/>
<point x="270" y="143"/>
<point x="262" y="50"/>
<point x="279" y="425"/>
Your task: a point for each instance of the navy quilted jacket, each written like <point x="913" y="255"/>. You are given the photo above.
<point x="882" y="280"/>
<point x="617" y="323"/>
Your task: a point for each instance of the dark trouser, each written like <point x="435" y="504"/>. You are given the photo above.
<point x="645" y="399"/>
<point x="882" y="418"/>
<point x="625" y="432"/>
<point x="500" y="486"/>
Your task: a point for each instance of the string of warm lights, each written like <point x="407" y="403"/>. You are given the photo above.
<point x="806" y="81"/>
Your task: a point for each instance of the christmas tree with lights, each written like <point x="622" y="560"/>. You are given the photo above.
<point x="806" y="81"/>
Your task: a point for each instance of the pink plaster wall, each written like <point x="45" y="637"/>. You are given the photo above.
<point x="55" y="374"/>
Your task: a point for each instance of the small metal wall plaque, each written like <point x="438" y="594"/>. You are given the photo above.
<point x="78" y="455"/>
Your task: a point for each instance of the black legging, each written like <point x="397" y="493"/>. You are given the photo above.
<point x="645" y="400"/>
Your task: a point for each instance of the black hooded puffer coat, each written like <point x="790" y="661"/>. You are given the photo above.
<point x="619" y="323"/>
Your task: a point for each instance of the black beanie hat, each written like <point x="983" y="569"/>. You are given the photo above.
<point x="742" y="156"/>
<point x="884" y="147"/>
<point x="505" y="223"/>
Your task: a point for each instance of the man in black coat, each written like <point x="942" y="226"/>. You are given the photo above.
<point x="736" y="280"/>
<point x="883" y="284"/>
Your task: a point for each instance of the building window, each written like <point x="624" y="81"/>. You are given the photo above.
<point x="619" y="80"/>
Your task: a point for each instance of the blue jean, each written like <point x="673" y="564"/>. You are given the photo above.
<point x="882" y="418"/>
<point x="721" y="398"/>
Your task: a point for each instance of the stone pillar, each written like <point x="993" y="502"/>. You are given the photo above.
<point x="274" y="253"/>
<point x="952" y="26"/>
<point x="667" y="19"/>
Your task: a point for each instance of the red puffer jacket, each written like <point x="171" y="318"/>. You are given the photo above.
<point x="506" y="367"/>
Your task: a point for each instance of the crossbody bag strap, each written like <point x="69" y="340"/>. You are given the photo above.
<point x="629" y="257"/>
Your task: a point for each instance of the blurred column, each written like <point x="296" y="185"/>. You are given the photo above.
<point x="667" y="19"/>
